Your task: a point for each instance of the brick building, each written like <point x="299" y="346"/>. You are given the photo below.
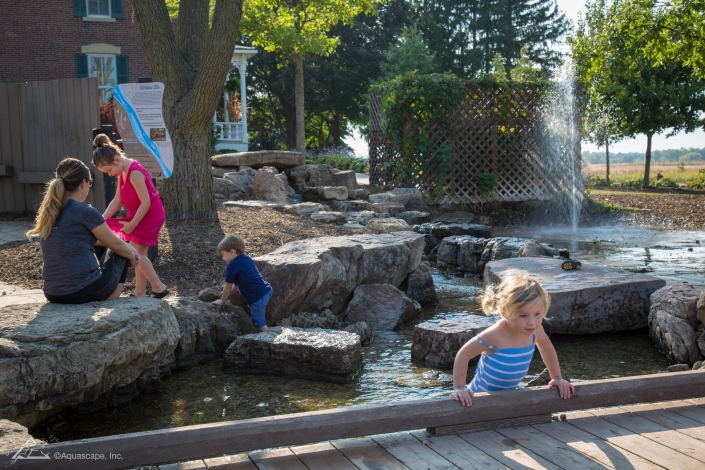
<point x="57" y="39"/>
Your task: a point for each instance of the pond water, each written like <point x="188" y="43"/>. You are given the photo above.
<point x="207" y="394"/>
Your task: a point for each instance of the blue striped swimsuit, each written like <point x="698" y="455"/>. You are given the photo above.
<point x="502" y="370"/>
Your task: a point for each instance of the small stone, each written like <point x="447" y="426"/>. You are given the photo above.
<point x="4" y="293"/>
<point x="563" y="417"/>
<point x="387" y="225"/>
<point x="209" y="294"/>
<point x="697" y="365"/>
<point x="678" y="368"/>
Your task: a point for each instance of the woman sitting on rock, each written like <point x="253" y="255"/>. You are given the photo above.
<point x="74" y="236"/>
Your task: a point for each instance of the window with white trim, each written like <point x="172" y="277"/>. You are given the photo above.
<point x="103" y="67"/>
<point x="98" y="8"/>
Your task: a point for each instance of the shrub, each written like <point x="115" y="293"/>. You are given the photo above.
<point x="665" y="183"/>
<point x="597" y="181"/>
<point x="698" y="183"/>
<point x="340" y="158"/>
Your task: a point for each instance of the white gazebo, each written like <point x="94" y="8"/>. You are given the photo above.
<point x="233" y="135"/>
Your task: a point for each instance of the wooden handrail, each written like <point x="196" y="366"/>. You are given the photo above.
<point x="206" y="440"/>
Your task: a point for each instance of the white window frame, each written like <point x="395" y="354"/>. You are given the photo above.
<point x="89" y="15"/>
<point x="104" y="88"/>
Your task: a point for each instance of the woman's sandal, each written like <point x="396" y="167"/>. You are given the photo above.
<point x="160" y="295"/>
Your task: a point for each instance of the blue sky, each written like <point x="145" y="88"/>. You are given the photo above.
<point x="638" y="144"/>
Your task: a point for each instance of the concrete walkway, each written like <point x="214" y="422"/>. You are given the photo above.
<point x="11" y="231"/>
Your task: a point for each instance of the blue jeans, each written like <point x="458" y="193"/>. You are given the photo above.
<point x="258" y="308"/>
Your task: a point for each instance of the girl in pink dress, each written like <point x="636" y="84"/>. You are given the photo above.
<point x="145" y="215"/>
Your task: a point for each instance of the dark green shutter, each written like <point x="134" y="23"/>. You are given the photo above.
<point x="79" y="8"/>
<point x="81" y="65"/>
<point x="122" y="74"/>
<point x="116" y="8"/>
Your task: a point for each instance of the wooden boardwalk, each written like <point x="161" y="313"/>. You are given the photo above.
<point x="667" y="435"/>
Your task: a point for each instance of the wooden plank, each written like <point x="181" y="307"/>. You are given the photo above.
<point x="206" y="440"/>
<point x="673" y="421"/>
<point x="230" y="462"/>
<point x="653" y="431"/>
<point x="27" y="143"/>
<point x="550" y="449"/>
<point x="98" y="192"/>
<point x="459" y="452"/>
<point x="276" y="459"/>
<point x="7" y="190"/>
<point x="190" y="465"/>
<point x="506" y="451"/>
<point x="5" y="170"/>
<point x="35" y="177"/>
<point x="490" y="425"/>
<point x="55" y="125"/>
<point x="322" y="456"/>
<point x="594" y="447"/>
<point x="634" y="443"/>
<point x="685" y="408"/>
<point x="366" y="454"/>
<point x="411" y="452"/>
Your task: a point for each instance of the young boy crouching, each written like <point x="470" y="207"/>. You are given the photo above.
<point x="242" y="273"/>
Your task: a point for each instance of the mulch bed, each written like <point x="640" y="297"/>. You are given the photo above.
<point x="188" y="262"/>
<point x="187" y="259"/>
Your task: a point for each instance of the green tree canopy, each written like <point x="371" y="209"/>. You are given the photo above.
<point x="298" y="28"/>
<point x="408" y="55"/>
<point x="639" y="96"/>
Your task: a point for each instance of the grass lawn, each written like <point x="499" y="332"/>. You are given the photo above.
<point x="676" y="172"/>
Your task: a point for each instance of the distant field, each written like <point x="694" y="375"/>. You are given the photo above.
<point x="625" y="171"/>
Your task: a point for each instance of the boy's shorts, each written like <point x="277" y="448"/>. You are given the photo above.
<point x="257" y="310"/>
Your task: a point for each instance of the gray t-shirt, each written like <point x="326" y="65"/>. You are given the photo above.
<point x="69" y="258"/>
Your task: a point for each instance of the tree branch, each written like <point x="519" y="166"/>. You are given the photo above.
<point x="193" y="30"/>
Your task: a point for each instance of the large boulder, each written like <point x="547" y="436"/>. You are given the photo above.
<point x="594" y="299"/>
<point x="277" y="159"/>
<point x="386" y="225"/>
<point x="270" y="185"/>
<point x="324" y="193"/>
<point x="361" y="217"/>
<point x="53" y="355"/>
<point x="346" y="178"/>
<point x="304" y="209"/>
<point x="391" y="208"/>
<point x="223" y="187"/>
<point x="460" y="217"/>
<point x="242" y="181"/>
<point x="206" y="329"/>
<point x="382" y="306"/>
<point x="437" y="343"/>
<point x="468" y="254"/>
<point x="349" y="206"/>
<point x="319" y="273"/>
<point x="673" y="322"/>
<point x="420" y="287"/>
<point x="411" y="198"/>
<point x="14" y="436"/>
<point x="361" y="193"/>
<point x="314" y="353"/>
<point x="415" y="217"/>
<point x="311" y="175"/>
<point x="441" y="230"/>
<point x="328" y="217"/>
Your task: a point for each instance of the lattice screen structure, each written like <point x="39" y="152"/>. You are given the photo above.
<point x="507" y="145"/>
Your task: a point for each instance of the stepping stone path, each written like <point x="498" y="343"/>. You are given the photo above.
<point x="594" y="299"/>
<point x="313" y="353"/>
<point x="436" y="344"/>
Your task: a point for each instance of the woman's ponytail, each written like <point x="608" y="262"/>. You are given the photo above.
<point x="69" y="175"/>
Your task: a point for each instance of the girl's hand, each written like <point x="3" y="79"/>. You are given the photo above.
<point x="127" y="227"/>
<point x="564" y="387"/>
<point x="463" y="394"/>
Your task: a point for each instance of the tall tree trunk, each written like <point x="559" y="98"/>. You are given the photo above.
<point x="193" y="68"/>
<point x="335" y="130"/>
<point x="299" y="86"/>
<point x="607" y="159"/>
<point x="647" y="161"/>
<point x="289" y="123"/>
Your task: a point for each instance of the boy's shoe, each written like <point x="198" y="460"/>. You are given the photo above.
<point x="570" y="264"/>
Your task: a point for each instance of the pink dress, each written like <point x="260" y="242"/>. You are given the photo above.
<point x="147" y="231"/>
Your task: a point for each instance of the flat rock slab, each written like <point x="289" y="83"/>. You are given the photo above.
<point x="319" y="273"/>
<point x="312" y="353"/>
<point x="279" y="160"/>
<point x="234" y="205"/>
<point x="594" y="299"/>
<point x="436" y="344"/>
<point x="53" y="354"/>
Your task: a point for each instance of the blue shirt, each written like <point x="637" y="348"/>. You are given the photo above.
<point x="243" y="272"/>
<point x="502" y="370"/>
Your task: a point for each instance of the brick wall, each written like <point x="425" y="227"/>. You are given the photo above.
<point x="39" y="40"/>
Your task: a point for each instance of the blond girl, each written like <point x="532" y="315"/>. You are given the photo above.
<point x="507" y="347"/>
